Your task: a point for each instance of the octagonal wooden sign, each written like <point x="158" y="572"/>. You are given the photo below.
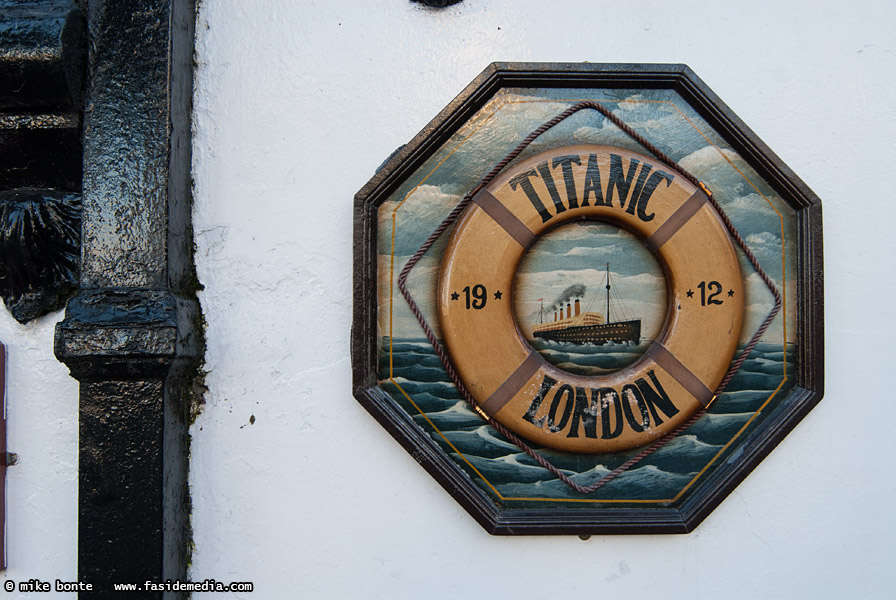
<point x="587" y="299"/>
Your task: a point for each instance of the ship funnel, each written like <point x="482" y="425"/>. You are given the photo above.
<point x="568" y="311"/>
<point x="555" y="315"/>
<point x="578" y="307"/>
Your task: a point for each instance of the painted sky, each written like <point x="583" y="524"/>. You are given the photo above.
<point x="424" y="200"/>
<point x="577" y="254"/>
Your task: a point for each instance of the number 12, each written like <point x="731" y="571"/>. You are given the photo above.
<point x="714" y="287"/>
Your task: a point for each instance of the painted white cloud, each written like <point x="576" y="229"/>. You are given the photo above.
<point x="631" y="103"/>
<point x="428" y="203"/>
<point x="593" y="252"/>
<point x="416" y="218"/>
<point x="570" y="233"/>
<point x="708" y="157"/>
<point x="607" y="135"/>
<point x="751" y="202"/>
<point x="763" y="238"/>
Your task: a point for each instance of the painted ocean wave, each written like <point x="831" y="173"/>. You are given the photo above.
<point x="751" y="380"/>
<point x="589" y="359"/>
<point x="481" y="441"/>
<point x="511" y="469"/>
<point x="457" y="416"/>
<point x="417" y="370"/>
<point x="686" y="453"/>
<point x="404" y="346"/>
<point x="412" y="359"/>
<point x="762" y="365"/>
<point x="713" y="428"/>
<point x="440" y="389"/>
<point x="420" y="373"/>
<point x="740" y="401"/>
<point x="628" y="485"/>
<point x="433" y="402"/>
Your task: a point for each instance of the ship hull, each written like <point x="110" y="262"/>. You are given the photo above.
<point x="618" y="332"/>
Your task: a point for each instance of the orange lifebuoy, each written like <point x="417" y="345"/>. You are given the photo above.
<point x="510" y="380"/>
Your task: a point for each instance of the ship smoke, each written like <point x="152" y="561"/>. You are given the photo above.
<point x="576" y="290"/>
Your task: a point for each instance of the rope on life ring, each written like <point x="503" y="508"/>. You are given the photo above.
<point x="455" y="213"/>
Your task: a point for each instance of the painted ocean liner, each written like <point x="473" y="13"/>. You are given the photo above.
<point x="588" y="327"/>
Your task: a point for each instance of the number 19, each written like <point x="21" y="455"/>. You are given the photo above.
<point x="479" y="296"/>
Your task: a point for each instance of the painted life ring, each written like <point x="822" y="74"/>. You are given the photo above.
<point x="510" y="380"/>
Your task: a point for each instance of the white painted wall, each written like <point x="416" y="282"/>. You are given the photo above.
<point x="42" y="430"/>
<point x="298" y="102"/>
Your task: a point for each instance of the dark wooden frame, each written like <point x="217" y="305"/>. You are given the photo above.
<point x="810" y="326"/>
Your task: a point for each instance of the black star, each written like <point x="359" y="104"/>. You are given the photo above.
<point x="730" y="293"/>
<point x="455" y="295"/>
<point x="498" y="295"/>
<point x="690" y="294"/>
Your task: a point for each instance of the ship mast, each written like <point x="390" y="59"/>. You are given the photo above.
<point x="608" y="293"/>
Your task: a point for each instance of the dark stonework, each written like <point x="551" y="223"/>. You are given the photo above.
<point x="43" y="49"/>
<point x="131" y="335"/>
<point x="40" y="235"/>
<point x="43" y="46"/>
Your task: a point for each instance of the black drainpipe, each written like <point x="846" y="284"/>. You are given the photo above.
<point x="132" y="334"/>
